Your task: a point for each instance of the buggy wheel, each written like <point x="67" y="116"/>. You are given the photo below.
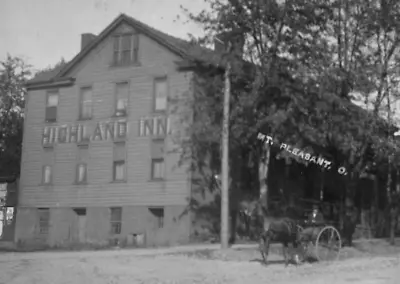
<point x="328" y="244"/>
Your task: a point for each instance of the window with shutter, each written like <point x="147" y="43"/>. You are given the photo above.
<point x="86" y="105"/>
<point x="119" y="162"/>
<point x="157" y="160"/>
<point x="81" y="165"/>
<point x="121" y="99"/>
<point x="116" y="220"/>
<point x="44" y="221"/>
<point x="47" y="174"/>
<point x="47" y="169"/>
<point x="51" y="107"/>
<point x="126" y="49"/>
<point x="160" y="94"/>
<point x="81" y="173"/>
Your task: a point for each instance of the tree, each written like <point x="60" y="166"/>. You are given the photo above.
<point x="56" y="66"/>
<point x="305" y="62"/>
<point x="279" y="40"/>
<point x="368" y="43"/>
<point x="14" y="73"/>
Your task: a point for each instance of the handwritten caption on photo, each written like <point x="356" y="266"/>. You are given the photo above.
<point x="301" y="154"/>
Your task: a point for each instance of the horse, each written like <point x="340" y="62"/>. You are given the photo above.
<point x="282" y="230"/>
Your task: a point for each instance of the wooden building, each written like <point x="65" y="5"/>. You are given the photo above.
<point x="96" y="161"/>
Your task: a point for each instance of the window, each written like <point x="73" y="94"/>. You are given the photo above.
<point x="116" y="220"/>
<point x="51" y="107"/>
<point x="47" y="175"/>
<point x="126" y="49"/>
<point x="157" y="159"/>
<point x="47" y="169"/>
<point x="119" y="170"/>
<point x="81" y="166"/>
<point x="81" y="173"/>
<point x="158" y="213"/>
<point x="121" y="99"/>
<point x="157" y="169"/>
<point x="44" y="220"/>
<point x="119" y="162"/>
<point x="85" y="111"/>
<point x="160" y="94"/>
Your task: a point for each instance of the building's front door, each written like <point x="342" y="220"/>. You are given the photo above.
<point x="81" y="213"/>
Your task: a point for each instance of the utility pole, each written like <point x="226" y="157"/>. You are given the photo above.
<point x="225" y="159"/>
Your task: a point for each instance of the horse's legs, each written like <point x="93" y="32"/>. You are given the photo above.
<point x="247" y="225"/>
<point x="264" y="246"/>
<point x="285" y="248"/>
<point x="233" y="215"/>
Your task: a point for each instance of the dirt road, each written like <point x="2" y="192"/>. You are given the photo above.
<point x="154" y="266"/>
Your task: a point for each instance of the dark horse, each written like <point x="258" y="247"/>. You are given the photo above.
<point x="282" y="228"/>
<point x="279" y="230"/>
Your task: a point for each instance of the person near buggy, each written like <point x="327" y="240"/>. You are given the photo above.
<point x="314" y="223"/>
<point x="349" y="222"/>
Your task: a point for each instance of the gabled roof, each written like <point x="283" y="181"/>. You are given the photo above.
<point x="185" y="49"/>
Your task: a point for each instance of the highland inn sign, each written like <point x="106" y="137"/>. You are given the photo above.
<point x="84" y="133"/>
<point x="117" y="130"/>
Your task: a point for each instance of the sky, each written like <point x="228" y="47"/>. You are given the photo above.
<point x="44" y="31"/>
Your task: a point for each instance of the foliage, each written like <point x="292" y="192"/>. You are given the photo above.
<point x="263" y="89"/>
<point x="13" y="75"/>
<point x="58" y="65"/>
<point x="305" y="61"/>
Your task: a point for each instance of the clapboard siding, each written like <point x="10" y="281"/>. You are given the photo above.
<point x="95" y="71"/>
<point x="106" y="194"/>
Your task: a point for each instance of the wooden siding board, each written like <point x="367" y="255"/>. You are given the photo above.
<point x="106" y="195"/>
<point x="95" y="71"/>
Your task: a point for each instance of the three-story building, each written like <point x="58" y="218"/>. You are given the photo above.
<point x="96" y="161"/>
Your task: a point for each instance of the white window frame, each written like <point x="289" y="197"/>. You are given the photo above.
<point x="163" y="100"/>
<point x="86" y="104"/>
<point x="121" y="100"/>
<point x="134" y="48"/>
<point x="47" y="179"/>
<point x="81" y="178"/>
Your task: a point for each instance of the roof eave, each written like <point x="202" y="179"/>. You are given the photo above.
<point x="192" y="64"/>
<point x="54" y="83"/>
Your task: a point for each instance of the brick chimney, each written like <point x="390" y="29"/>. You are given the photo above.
<point x="86" y="39"/>
<point x="235" y="38"/>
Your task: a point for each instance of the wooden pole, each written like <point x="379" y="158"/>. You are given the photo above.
<point x="225" y="162"/>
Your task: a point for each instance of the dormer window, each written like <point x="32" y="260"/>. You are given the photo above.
<point x="126" y="48"/>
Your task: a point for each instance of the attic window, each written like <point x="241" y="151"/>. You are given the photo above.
<point x="126" y="48"/>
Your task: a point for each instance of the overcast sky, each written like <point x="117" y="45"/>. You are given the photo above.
<point x="43" y="31"/>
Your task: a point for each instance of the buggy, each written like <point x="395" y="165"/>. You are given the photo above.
<point x="318" y="238"/>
